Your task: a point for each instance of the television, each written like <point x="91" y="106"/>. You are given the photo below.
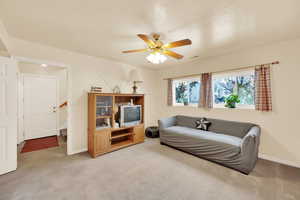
<point x="130" y="115"/>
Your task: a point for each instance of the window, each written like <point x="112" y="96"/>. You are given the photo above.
<point x="240" y="83"/>
<point x="186" y="91"/>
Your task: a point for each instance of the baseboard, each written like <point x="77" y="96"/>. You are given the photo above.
<point x="78" y="151"/>
<point x="277" y="160"/>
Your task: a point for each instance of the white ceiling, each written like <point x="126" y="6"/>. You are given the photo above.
<point x="105" y="28"/>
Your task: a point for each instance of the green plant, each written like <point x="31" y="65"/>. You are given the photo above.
<point x="232" y="100"/>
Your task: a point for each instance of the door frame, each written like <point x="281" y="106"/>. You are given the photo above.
<point x="21" y="137"/>
<point x="69" y="95"/>
<point x="8" y="74"/>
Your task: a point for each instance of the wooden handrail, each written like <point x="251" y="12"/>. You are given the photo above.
<point x="63" y="104"/>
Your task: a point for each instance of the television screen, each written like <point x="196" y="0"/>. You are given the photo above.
<point x="131" y="114"/>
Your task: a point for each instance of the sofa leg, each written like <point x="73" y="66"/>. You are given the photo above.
<point x="245" y="173"/>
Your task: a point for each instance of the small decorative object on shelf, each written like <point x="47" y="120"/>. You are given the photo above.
<point x="135" y="87"/>
<point x="107" y="122"/>
<point x="96" y="89"/>
<point x="117" y="125"/>
<point x="117" y="90"/>
<point x="135" y="77"/>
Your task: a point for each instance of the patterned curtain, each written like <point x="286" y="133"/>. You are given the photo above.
<point x="170" y="92"/>
<point x="205" y="100"/>
<point x="263" y="95"/>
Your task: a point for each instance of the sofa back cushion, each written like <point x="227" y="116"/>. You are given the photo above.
<point x="233" y="128"/>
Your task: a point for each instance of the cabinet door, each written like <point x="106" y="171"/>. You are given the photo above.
<point x="101" y="141"/>
<point x="139" y="134"/>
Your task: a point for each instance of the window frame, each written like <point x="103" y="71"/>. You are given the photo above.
<point x="174" y="91"/>
<point x="227" y="74"/>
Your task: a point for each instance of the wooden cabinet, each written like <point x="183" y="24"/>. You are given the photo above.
<point x="102" y="136"/>
<point x="139" y="134"/>
<point x="101" y="142"/>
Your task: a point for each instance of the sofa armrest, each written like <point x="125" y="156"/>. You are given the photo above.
<point x="249" y="149"/>
<point x="251" y="140"/>
<point x="166" y="122"/>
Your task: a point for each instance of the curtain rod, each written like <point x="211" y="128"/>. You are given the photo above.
<point x="232" y="69"/>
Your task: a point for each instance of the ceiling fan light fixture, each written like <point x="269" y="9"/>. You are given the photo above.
<point x="44" y="65"/>
<point x="156" y="58"/>
<point x="158" y="49"/>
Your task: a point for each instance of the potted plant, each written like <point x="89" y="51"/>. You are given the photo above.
<point x="231" y="101"/>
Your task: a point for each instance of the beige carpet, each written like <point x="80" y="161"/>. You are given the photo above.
<point x="142" y="172"/>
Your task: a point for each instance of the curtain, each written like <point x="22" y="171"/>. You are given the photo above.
<point x="205" y="100"/>
<point x="263" y="95"/>
<point x="170" y="92"/>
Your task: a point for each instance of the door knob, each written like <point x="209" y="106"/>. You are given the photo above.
<point x="54" y="109"/>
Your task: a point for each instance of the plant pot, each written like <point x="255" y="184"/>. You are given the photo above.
<point x="231" y="105"/>
<point x="186" y="103"/>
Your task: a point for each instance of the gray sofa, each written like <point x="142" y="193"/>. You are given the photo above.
<point x="232" y="144"/>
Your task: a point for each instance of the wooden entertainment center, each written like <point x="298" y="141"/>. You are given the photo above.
<point x="103" y="134"/>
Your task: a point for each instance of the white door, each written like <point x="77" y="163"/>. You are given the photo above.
<point x="40" y="106"/>
<point x="8" y="115"/>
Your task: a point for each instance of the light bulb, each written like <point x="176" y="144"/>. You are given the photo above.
<point x="156" y="58"/>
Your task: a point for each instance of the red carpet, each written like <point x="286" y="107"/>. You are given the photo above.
<point x="40" y="143"/>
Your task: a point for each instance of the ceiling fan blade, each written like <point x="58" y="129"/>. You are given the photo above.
<point x="148" y="41"/>
<point x="172" y="54"/>
<point x="135" y="50"/>
<point x="178" y="43"/>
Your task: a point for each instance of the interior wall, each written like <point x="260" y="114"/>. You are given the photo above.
<point x="86" y="71"/>
<point x="280" y="139"/>
<point x="5" y="44"/>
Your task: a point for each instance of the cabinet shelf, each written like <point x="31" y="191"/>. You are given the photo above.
<point x="122" y="128"/>
<point x="121" y="135"/>
<point x="99" y="128"/>
<point x="122" y="144"/>
<point x="103" y="116"/>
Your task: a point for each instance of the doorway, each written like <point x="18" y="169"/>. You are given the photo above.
<point x="40" y="102"/>
<point x="43" y="113"/>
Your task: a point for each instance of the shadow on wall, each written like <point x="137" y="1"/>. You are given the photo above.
<point x="117" y="77"/>
<point x="268" y="138"/>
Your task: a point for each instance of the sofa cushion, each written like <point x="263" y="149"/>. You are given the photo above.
<point x="233" y="128"/>
<point x="205" y="141"/>
<point x="203" y="124"/>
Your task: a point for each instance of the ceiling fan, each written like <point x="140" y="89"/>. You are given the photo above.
<point x="158" y="49"/>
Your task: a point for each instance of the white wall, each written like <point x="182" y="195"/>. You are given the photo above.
<point x="280" y="128"/>
<point x="5" y="44"/>
<point x="280" y="133"/>
<point x="86" y="71"/>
